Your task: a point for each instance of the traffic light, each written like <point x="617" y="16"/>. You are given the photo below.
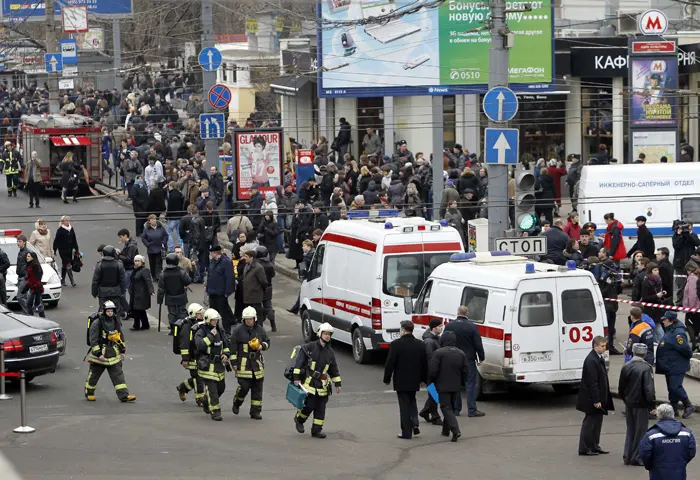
<point x="525" y="216"/>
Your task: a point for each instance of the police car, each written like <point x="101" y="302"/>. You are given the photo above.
<point x="50" y="278"/>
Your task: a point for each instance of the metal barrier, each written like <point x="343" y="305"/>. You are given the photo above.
<point x="23" y="428"/>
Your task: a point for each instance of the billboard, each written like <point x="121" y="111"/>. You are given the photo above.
<point x="426" y="50"/>
<point x="17" y="10"/>
<point x="654" y="101"/>
<point x="92" y="40"/>
<point x="654" y="144"/>
<point x="258" y="160"/>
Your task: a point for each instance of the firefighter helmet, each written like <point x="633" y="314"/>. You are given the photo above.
<point x="109" y="305"/>
<point x="194" y="309"/>
<point x="211" y="314"/>
<point x="249" y="312"/>
<point x="325" y="327"/>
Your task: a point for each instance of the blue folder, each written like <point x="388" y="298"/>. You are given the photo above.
<point x="433" y="392"/>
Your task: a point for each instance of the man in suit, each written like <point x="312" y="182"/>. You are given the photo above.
<point x="594" y="399"/>
<point x="407" y="363"/>
<point x="469" y="341"/>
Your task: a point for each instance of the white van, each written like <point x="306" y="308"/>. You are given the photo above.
<point x="662" y="192"/>
<point x="536" y="320"/>
<point x="362" y="270"/>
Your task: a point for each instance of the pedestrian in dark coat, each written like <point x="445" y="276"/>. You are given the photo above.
<point x="268" y="232"/>
<point x="668" y="447"/>
<point x="156" y="201"/>
<point x="155" y="239"/>
<point x="254" y="283"/>
<point x="407" y="364"/>
<point x="220" y="285"/>
<point x="594" y="399"/>
<point x="431" y="339"/>
<point x="447" y="369"/>
<point x="645" y="239"/>
<point x="139" y="202"/>
<point x="636" y="388"/>
<point x="140" y="292"/>
<point x="66" y="244"/>
<point x="556" y="242"/>
<point x="546" y="196"/>
<point x="300" y="231"/>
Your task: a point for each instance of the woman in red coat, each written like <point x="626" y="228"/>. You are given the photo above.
<point x="34" y="288"/>
<point x="556" y="172"/>
<point x="614" y="243"/>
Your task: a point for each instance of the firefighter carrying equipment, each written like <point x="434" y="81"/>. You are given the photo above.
<point x="255" y="344"/>
<point x="249" y="362"/>
<point x="316" y="368"/>
<point x="106" y="340"/>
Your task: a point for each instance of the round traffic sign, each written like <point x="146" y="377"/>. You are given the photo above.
<point x="500" y="104"/>
<point x="219" y="96"/>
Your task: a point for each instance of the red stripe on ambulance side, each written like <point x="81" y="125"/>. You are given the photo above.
<point x="423" y="247"/>
<point x="484" y="330"/>
<point x="345" y="306"/>
<point x="353" y="242"/>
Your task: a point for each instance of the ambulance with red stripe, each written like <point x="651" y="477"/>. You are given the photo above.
<point x="362" y="270"/>
<point x="537" y="321"/>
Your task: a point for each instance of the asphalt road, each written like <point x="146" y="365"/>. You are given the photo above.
<point x="529" y="433"/>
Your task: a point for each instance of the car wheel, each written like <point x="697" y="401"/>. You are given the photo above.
<point x="565" y="388"/>
<point x="53" y="304"/>
<point x="359" y="351"/>
<point x="307" y="329"/>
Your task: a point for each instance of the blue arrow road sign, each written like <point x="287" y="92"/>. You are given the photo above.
<point x="502" y="145"/>
<point x="500" y="104"/>
<point x="219" y="96"/>
<point x="54" y="62"/>
<point x="210" y="59"/>
<point x="69" y="51"/>
<point x="212" y="125"/>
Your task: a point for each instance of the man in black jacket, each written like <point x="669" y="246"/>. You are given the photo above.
<point x="645" y="239"/>
<point x="4" y="266"/>
<point x="407" y="363"/>
<point x="594" y="399"/>
<point x="636" y="387"/>
<point x="108" y="279"/>
<point x="126" y="255"/>
<point x="139" y="202"/>
<point x="666" y="273"/>
<point x="448" y="370"/>
<point x="469" y="341"/>
<point x="556" y="242"/>
<point x="431" y="339"/>
<point x="268" y="310"/>
<point x="684" y="244"/>
<point x="174" y="213"/>
<point x="171" y="288"/>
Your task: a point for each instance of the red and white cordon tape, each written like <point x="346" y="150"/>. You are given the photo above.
<point x="655" y="305"/>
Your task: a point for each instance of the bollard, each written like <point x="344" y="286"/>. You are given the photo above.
<point x="3" y="395"/>
<point x="24" y="428"/>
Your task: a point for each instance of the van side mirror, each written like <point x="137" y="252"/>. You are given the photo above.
<point x="408" y="305"/>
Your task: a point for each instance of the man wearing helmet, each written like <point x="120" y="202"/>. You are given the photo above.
<point x="171" y="288"/>
<point x="250" y="340"/>
<point x="315" y="369"/>
<point x="212" y="353"/>
<point x="186" y="331"/>
<point x="108" y="278"/>
<point x="107" y="350"/>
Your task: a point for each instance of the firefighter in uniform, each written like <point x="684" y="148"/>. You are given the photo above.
<point x="315" y="369"/>
<point x="186" y="332"/>
<point x="212" y="356"/>
<point x="250" y="341"/>
<point x="107" y="350"/>
<point x="13" y="164"/>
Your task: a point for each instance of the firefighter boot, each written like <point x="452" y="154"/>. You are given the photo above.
<point x="298" y="424"/>
<point x="182" y="394"/>
<point x="128" y="398"/>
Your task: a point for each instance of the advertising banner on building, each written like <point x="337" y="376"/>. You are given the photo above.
<point x="654" y="95"/>
<point x="92" y="40"/>
<point x="258" y="160"/>
<point x="654" y="144"/>
<point x="35" y="12"/>
<point x="429" y="50"/>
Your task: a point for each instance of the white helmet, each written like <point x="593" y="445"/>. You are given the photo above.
<point x="249" y="312"/>
<point x="211" y="314"/>
<point x="109" y="305"/>
<point x="325" y="327"/>
<point x="194" y="309"/>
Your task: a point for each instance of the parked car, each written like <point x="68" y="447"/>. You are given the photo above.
<point x="27" y="348"/>
<point x="40" y="324"/>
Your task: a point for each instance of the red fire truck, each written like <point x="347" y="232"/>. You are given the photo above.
<point x="52" y="136"/>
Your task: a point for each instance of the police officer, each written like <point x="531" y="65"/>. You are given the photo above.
<point x="186" y="331"/>
<point x="107" y="350"/>
<point x="673" y="360"/>
<point x="268" y="311"/>
<point x="316" y="368"/>
<point x="13" y="165"/>
<point x="108" y="277"/>
<point x="249" y="340"/>
<point x="171" y="288"/>
<point x="212" y="355"/>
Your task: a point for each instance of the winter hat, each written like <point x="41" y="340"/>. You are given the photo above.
<point x="269" y="195"/>
<point x="434" y="322"/>
<point x="639" y="349"/>
<point x="670" y="315"/>
<point x="450" y="183"/>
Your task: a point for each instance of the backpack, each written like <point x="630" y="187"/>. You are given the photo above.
<point x="90" y="319"/>
<point x="177" y="329"/>
<point x="291" y="363"/>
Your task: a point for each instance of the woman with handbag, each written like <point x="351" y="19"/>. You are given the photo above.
<point x="70" y="177"/>
<point x="140" y="293"/>
<point x="66" y="243"/>
<point x="33" y="288"/>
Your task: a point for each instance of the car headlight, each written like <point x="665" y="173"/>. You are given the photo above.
<point x="54" y="279"/>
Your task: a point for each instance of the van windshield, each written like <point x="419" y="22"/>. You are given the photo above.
<point x="404" y="275"/>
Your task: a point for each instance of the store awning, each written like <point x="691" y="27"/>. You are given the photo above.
<point x="71" y="141"/>
<point x="289" y="84"/>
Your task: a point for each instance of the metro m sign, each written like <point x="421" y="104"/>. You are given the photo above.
<point x="653" y="22"/>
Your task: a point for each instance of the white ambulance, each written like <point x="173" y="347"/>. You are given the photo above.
<point x="536" y="320"/>
<point x="361" y="272"/>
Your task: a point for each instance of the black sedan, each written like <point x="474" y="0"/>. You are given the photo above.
<point x="40" y="324"/>
<point x="26" y="348"/>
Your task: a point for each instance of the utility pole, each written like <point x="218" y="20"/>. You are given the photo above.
<point x="211" y="146"/>
<point x="498" y="77"/>
<point x="51" y="47"/>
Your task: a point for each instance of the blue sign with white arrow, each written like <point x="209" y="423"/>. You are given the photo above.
<point x="500" y="104"/>
<point x="69" y="51"/>
<point x="54" y="62"/>
<point x="212" y="125"/>
<point x="502" y="146"/>
<point x="210" y="59"/>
